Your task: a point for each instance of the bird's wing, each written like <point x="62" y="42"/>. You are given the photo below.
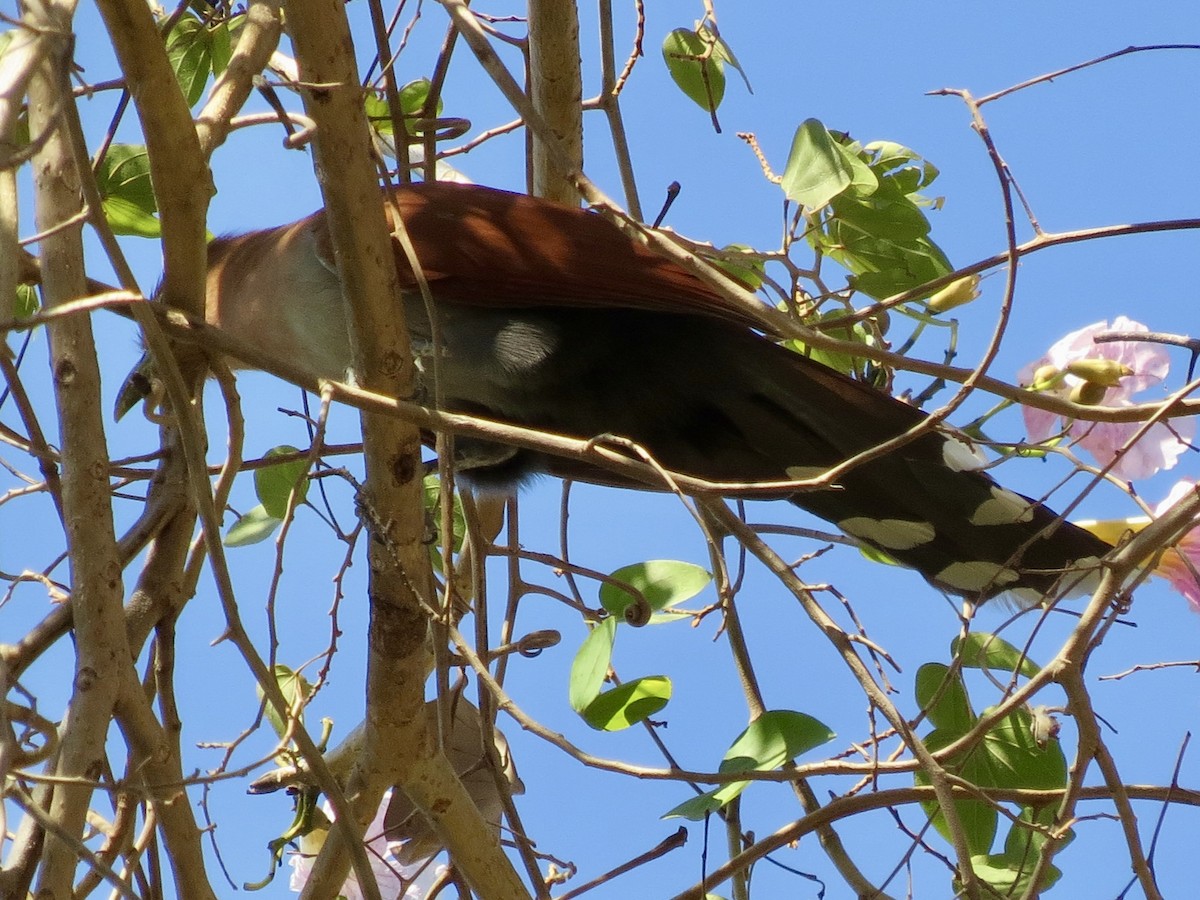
<point x="552" y="255"/>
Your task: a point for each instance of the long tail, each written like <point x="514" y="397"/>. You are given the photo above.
<point x="926" y="504"/>
<point x="712" y="399"/>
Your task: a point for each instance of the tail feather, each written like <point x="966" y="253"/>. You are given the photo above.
<point x="924" y="504"/>
<point x="711" y="399"/>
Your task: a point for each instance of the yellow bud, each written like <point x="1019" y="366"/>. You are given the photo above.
<point x="956" y="293"/>
<point x="1088" y="393"/>
<point x="1045" y="376"/>
<point x="1106" y="372"/>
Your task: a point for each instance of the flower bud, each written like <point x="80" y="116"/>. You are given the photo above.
<point x="1088" y="393"/>
<point x="1044" y="377"/>
<point x="1106" y="372"/>
<point x="956" y="293"/>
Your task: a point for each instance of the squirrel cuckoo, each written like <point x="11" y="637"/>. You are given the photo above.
<point x="551" y="318"/>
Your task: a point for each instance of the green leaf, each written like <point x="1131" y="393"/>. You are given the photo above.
<point x="1015" y="759"/>
<point x="774" y="738"/>
<point x="127" y="218"/>
<point x="749" y="269"/>
<point x="255" y="526"/>
<point x="727" y="55"/>
<point x="816" y="169"/>
<point x="378" y="116"/>
<point x="882" y="266"/>
<point x="698" y="72"/>
<point x="628" y="703"/>
<point x="819" y="168"/>
<point x="190" y="51"/>
<point x="433" y="508"/>
<point x="944" y="698"/>
<point x="224" y="35"/>
<point x="413" y="97"/>
<point x="25" y="302"/>
<point x="978" y="819"/>
<point x="988" y="651"/>
<point x="663" y="582"/>
<point x="1010" y="871"/>
<point x="124" y="183"/>
<point x="274" y="483"/>
<point x="696" y="808"/>
<point x="295" y="689"/>
<point x="863" y="181"/>
<point x="881" y="235"/>
<point x="887" y="214"/>
<point x="591" y="665"/>
<point x="126" y="171"/>
<point x="1007" y="757"/>
<point x="1009" y="877"/>
<point x="1019" y="839"/>
<point x="834" y="359"/>
<point x="904" y="166"/>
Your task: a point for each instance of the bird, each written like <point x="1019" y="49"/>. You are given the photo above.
<point x="550" y="317"/>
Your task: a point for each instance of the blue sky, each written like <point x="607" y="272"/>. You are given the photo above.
<point x="1112" y="144"/>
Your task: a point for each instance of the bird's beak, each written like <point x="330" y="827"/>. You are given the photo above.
<point x="137" y="387"/>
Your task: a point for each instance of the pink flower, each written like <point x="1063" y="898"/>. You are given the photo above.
<point x="1180" y="565"/>
<point x="406" y="882"/>
<point x="1141" y="366"/>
